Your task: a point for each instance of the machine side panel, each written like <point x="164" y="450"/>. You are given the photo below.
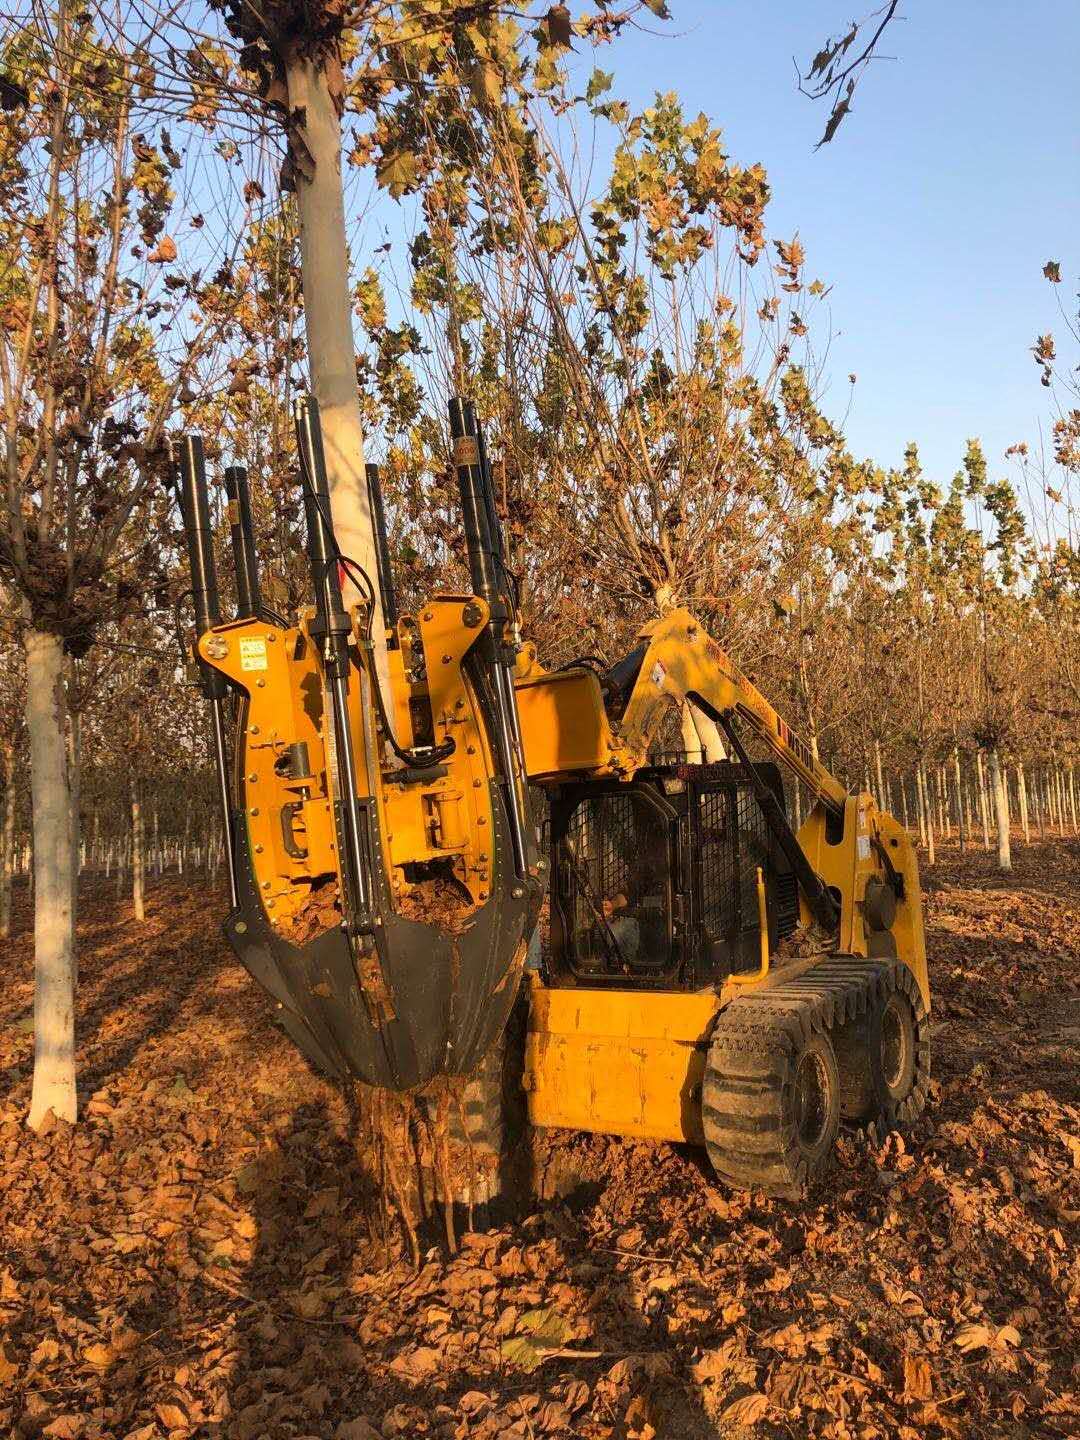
<point x="618" y="1062"/>
<point x="563" y="725"/>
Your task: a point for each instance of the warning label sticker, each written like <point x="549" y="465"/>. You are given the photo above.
<point x="252" y="654"/>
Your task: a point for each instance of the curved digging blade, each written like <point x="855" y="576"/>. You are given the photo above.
<point x="434" y="1004"/>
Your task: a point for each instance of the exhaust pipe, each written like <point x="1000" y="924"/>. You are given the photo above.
<point x="195" y="509"/>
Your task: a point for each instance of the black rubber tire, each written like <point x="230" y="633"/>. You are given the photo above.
<point x="883" y="1055"/>
<point x="761" y="1068"/>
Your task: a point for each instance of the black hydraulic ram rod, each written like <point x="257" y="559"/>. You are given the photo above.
<point x="195" y="506"/>
<point x="331" y="628"/>
<point x="245" y="562"/>
<point x="383" y="565"/>
<point x="506" y="582"/>
<point x="818" y="899"/>
<point x="488" y="580"/>
<point x="495" y="529"/>
<point x="480" y="543"/>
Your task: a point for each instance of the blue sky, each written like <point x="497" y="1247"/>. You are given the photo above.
<point x="931" y="214"/>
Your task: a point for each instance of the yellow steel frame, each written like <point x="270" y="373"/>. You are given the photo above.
<point x="278" y="675"/>
<point x="625" y="1062"/>
<point x="630" y="1062"/>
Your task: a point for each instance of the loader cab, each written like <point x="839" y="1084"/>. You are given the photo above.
<point x="654" y="881"/>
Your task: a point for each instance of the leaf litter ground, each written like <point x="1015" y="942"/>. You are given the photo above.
<point x="196" y="1258"/>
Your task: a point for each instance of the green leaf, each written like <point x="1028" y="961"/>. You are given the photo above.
<point x="539" y="1333"/>
<point x="485" y="84"/>
<point x="248" y="1178"/>
<point x="397" y="172"/>
<point x="600" y="82"/>
<point x="547" y="1327"/>
<point x="521" y="1353"/>
<point x="179" y="1092"/>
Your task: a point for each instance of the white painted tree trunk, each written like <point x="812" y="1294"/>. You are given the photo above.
<point x="712" y="745"/>
<point x="1021" y="785"/>
<point x="54" y="917"/>
<point x="138" y="852"/>
<point x="984" y="809"/>
<point x="928" y="812"/>
<point x="7" y="843"/>
<point x="1001" y="810"/>
<point x="920" y="813"/>
<point x="74" y="744"/>
<point x="691" y="741"/>
<point x="328" y="321"/>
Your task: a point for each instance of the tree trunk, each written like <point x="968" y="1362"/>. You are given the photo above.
<point x="968" y="812"/>
<point x="958" y="789"/>
<point x="881" y="800"/>
<point x="903" y="801"/>
<point x="138" y="852"/>
<point x="1021" y="786"/>
<point x="919" y="812"/>
<point x="984" y="809"/>
<point x="1008" y="798"/>
<point x="7" y="841"/>
<point x="928" y="812"/>
<point x="1001" y="810"/>
<point x="691" y="741"/>
<point x="712" y="744"/>
<point x="1072" y="800"/>
<point x="1060" y="786"/>
<point x="54" y="912"/>
<point x="316" y="151"/>
<point x="74" y="743"/>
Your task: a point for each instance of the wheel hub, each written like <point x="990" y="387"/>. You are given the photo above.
<point x="894" y="1045"/>
<point x="811" y="1100"/>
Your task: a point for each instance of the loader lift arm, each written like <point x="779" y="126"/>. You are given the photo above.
<point x="681" y="662"/>
<point x="674" y="660"/>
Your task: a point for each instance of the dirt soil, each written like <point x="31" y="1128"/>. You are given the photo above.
<point x="195" y="1258"/>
